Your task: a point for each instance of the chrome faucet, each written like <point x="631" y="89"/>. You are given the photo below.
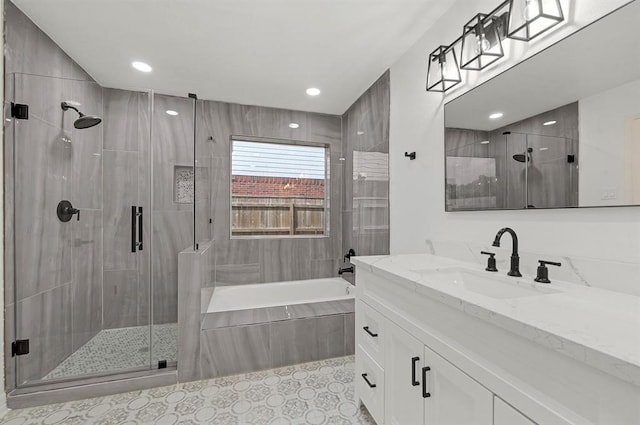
<point x="515" y="258"/>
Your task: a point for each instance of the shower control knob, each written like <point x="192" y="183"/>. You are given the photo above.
<point x="65" y="211"/>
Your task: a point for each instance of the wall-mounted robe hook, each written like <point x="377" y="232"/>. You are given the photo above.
<point x="411" y="155"/>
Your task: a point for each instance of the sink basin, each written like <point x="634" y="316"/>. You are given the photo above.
<point x="486" y="283"/>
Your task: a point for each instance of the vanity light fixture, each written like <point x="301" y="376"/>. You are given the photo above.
<point x="550" y="123"/>
<point x="530" y="18"/>
<point x="483" y="35"/>
<point x="443" y="72"/>
<point x="481" y="42"/>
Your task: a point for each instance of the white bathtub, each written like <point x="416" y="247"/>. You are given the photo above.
<point x="260" y="295"/>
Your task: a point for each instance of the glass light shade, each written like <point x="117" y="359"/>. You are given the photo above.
<point x="530" y="18"/>
<point x="443" y="72"/>
<point x="481" y="44"/>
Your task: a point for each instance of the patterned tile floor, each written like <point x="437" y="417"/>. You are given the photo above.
<point x="312" y="393"/>
<point x="122" y="348"/>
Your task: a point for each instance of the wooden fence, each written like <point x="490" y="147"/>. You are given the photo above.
<point x="268" y="216"/>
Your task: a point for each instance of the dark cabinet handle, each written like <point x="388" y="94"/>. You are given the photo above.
<point x="425" y="394"/>
<point x="366" y="329"/>
<point x="414" y="381"/>
<point x="364" y="376"/>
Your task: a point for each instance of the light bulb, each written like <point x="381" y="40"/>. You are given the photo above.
<point x="482" y="44"/>
<point x="531" y="9"/>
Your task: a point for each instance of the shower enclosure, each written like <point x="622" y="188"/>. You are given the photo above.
<point x="99" y="202"/>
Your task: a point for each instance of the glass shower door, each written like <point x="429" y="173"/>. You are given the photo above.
<point x="81" y="293"/>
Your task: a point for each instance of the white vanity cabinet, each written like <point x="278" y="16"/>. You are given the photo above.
<point x="507" y="415"/>
<point x="424" y="388"/>
<point x="482" y="369"/>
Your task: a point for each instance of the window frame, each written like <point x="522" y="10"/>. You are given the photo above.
<point x="292" y="142"/>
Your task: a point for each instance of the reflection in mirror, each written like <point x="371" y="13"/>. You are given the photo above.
<point x="566" y="129"/>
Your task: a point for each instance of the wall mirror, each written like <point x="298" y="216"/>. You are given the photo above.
<point x="559" y="130"/>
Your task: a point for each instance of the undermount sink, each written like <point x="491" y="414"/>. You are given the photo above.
<point x="487" y="284"/>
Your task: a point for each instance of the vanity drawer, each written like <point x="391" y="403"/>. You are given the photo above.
<point x="370" y="332"/>
<point x="370" y="384"/>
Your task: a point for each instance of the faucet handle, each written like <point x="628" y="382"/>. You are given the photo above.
<point x="491" y="261"/>
<point x="542" y="275"/>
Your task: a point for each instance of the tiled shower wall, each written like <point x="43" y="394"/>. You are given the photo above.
<point x="366" y="186"/>
<point x="58" y="303"/>
<point x="256" y="260"/>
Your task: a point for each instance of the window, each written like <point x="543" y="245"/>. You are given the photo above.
<point x="278" y="189"/>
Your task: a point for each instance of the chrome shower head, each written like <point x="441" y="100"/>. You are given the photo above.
<point x="84" y="121"/>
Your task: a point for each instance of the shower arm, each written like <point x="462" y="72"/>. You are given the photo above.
<point x="66" y="106"/>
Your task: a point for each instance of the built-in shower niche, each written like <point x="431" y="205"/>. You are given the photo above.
<point x="183" y="184"/>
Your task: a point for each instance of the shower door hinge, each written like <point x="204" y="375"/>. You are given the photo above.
<point x="19" y="347"/>
<point x="19" y="111"/>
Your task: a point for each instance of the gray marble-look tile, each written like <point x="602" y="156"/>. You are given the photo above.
<point x="86" y="145"/>
<point x="190" y="281"/>
<point x="44" y="319"/>
<point x="120" y="298"/>
<point x="236" y="318"/>
<point x="43" y="242"/>
<point x="237" y="274"/>
<point x="31" y="51"/>
<point x="330" y="333"/>
<point x="172" y="233"/>
<point x="349" y="334"/>
<point x="87" y="277"/>
<point x="293" y="341"/>
<point x="226" y="351"/>
<point x="120" y="194"/>
<point x="302" y="311"/>
<point x="120" y="120"/>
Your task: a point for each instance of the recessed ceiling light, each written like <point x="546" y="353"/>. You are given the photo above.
<point x="141" y="66"/>
<point x="359" y="133"/>
<point x="170" y="112"/>
<point x="312" y="91"/>
<point x="294" y="125"/>
<point x="550" y="123"/>
<point x="544" y="149"/>
<point x="485" y="142"/>
<point x="496" y="115"/>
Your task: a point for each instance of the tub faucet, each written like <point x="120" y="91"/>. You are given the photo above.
<point x="346" y="270"/>
<point x="515" y="258"/>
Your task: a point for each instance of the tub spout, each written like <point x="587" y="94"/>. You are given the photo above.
<point x="346" y="270"/>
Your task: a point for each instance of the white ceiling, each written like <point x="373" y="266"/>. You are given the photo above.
<point x="604" y="55"/>
<point x="256" y="52"/>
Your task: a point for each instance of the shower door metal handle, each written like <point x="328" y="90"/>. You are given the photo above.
<point x="136" y="228"/>
<point x="134" y="233"/>
<point x="140" y="228"/>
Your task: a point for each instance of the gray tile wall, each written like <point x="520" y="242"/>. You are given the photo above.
<point x="366" y="193"/>
<point x="59" y="265"/>
<point x="242" y="261"/>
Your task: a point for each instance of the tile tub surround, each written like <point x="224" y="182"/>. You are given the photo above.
<point x="254" y="339"/>
<point x="596" y="327"/>
<point x="317" y="392"/>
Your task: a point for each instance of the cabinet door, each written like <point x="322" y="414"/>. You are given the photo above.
<point x="507" y="415"/>
<point x="454" y="398"/>
<point x="403" y="363"/>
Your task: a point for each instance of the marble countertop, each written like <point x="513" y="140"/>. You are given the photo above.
<point x="598" y="327"/>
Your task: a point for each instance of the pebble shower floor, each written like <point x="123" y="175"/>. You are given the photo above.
<point x="321" y="392"/>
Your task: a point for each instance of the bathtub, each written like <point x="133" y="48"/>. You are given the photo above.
<point x="262" y="295"/>
<point x="246" y="328"/>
